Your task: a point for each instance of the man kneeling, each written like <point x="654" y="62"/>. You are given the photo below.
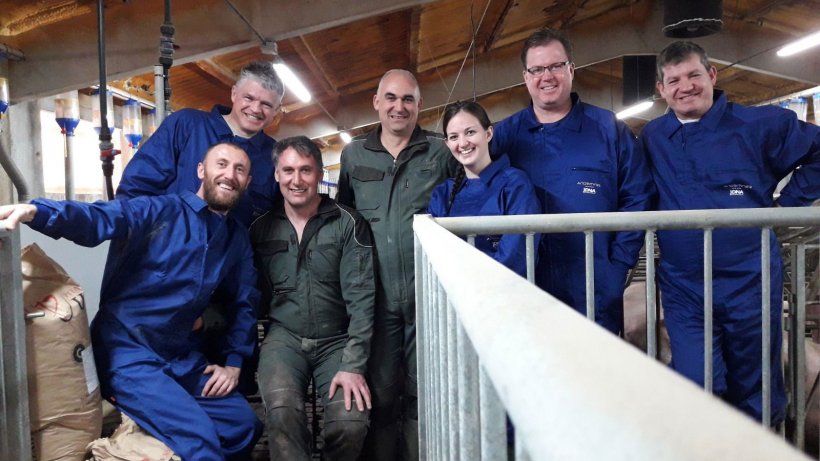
<point x="315" y="263"/>
<point x="168" y="255"/>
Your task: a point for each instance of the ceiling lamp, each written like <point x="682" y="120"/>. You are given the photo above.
<point x="288" y="77"/>
<point x="346" y="138"/>
<point x="688" y="19"/>
<point x="634" y="110"/>
<point x="800" y="45"/>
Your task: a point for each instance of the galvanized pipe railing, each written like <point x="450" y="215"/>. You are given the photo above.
<point x="573" y="391"/>
<point x="15" y="438"/>
<point x="651" y="221"/>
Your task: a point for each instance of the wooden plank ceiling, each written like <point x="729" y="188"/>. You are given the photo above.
<point x="431" y="40"/>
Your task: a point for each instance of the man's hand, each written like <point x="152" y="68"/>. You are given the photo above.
<point x="223" y="380"/>
<point x="352" y="384"/>
<point x="12" y="215"/>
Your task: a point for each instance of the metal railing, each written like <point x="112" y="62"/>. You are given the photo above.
<point x="587" y="223"/>
<point x="15" y="439"/>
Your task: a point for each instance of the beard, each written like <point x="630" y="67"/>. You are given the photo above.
<point x="217" y="202"/>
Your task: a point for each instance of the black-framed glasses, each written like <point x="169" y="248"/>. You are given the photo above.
<point x="552" y="68"/>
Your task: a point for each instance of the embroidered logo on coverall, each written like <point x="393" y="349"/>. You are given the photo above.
<point x="589" y="187"/>
<point x="737" y="190"/>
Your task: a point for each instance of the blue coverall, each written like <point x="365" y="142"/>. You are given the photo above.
<point x="587" y="162"/>
<point x="168" y="255"/>
<point x="167" y="162"/>
<point x="733" y="157"/>
<point x="499" y="190"/>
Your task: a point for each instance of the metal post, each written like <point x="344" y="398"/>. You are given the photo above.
<point x="531" y="257"/>
<point x="469" y="435"/>
<point x="159" y="94"/>
<point x="452" y="381"/>
<point x="798" y="336"/>
<point x="493" y="421"/>
<point x="766" y="290"/>
<point x="421" y="340"/>
<point x="444" y="401"/>
<point x="435" y="365"/>
<point x="69" y="166"/>
<point x="590" y="273"/>
<point x="15" y="441"/>
<point x="651" y="299"/>
<point x="707" y="310"/>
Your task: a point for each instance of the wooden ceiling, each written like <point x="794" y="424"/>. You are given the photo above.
<point x="343" y="63"/>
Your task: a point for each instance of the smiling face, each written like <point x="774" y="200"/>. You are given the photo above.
<point x="550" y="91"/>
<point x="253" y="107"/>
<point x="469" y="142"/>
<point x="688" y="87"/>
<point x="398" y="101"/>
<point x="225" y="174"/>
<point x="299" y="177"/>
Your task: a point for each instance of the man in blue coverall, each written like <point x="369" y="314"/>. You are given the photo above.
<point x="167" y="162"/>
<point x="168" y="255"/>
<point x="580" y="159"/>
<point x="708" y="153"/>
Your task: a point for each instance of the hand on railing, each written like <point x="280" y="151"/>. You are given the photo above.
<point x="12" y="215"/>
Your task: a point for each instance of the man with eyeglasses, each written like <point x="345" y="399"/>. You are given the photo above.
<point x="580" y="159"/>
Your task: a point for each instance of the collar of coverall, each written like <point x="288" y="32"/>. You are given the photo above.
<point x="224" y="131"/>
<point x="710" y="119"/>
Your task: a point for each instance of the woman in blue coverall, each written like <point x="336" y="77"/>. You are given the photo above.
<point x="483" y="187"/>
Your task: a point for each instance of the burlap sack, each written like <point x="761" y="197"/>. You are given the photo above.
<point x="130" y="443"/>
<point x="64" y="394"/>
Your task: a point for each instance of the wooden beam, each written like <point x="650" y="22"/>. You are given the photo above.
<point x="204" y="70"/>
<point x="320" y="75"/>
<point x="413" y="51"/>
<point x="497" y="27"/>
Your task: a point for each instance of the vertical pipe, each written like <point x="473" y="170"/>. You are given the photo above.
<point x="444" y="407"/>
<point x="435" y="364"/>
<point x="421" y="340"/>
<point x="106" y="147"/>
<point x="798" y="337"/>
<point x="15" y="435"/>
<point x="471" y="239"/>
<point x="493" y="421"/>
<point x="766" y="290"/>
<point x="69" y="166"/>
<point x="469" y="435"/>
<point x="159" y="95"/>
<point x="651" y="299"/>
<point x="531" y="257"/>
<point x="452" y="381"/>
<point x="589" y="253"/>
<point x="707" y="310"/>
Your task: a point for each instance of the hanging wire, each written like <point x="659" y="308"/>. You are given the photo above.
<point x="243" y="18"/>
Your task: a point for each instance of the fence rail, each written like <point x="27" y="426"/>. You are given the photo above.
<point x="487" y="300"/>
<point x="14" y="417"/>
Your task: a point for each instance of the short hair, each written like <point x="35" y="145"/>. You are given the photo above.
<point x="677" y="52"/>
<point x="544" y="36"/>
<point x="302" y="145"/>
<point x="226" y="143"/>
<point x="471" y="107"/>
<point x="262" y="72"/>
<point x="404" y="73"/>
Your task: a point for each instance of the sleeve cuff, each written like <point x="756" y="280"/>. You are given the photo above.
<point x="233" y="360"/>
<point x="41" y="218"/>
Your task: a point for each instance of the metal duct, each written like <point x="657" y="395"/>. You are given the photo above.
<point x="639" y="78"/>
<point x="688" y="19"/>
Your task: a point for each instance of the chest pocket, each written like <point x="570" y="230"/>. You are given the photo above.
<point x="369" y="189"/>
<point x="324" y="262"/>
<point x="278" y="266"/>
<point x="736" y="188"/>
<point x="419" y="184"/>
<point x="590" y="189"/>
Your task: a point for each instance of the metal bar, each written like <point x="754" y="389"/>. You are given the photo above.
<point x="493" y="421"/>
<point x="15" y="175"/>
<point x="421" y="339"/>
<point x="620" y="221"/>
<point x="452" y="381"/>
<point x="589" y="258"/>
<point x="530" y="257"/>
<point x="468" y="399"/>
<point x="69" y="166"/>
<point x="707" y="310"/>
<point x="798" y="335"/>
<point x="435" y="364"/>
<point x="159" y="95"/>
<point x="651" y="299"/>
<point x="766" y="290"/>
<point x="444" y="408"/>
<point x="15" y="442"/>
<point x="471" y="239"/>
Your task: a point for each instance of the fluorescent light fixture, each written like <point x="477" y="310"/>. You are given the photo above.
<point x="800" y="45"/>
<point x="346" y="138"/>
<point x="292" y="81"/>
<point x="634" y="109"/>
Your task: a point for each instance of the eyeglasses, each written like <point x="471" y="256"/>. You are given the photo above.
<point x="552" y="68"/>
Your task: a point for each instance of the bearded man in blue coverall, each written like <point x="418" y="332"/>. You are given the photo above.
<point x="168" y="255"/>
<point x="580" y="159"/>
<point x="708" y="153"/>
